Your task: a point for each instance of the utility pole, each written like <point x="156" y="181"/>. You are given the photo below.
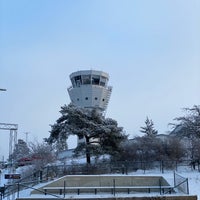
<point x="12" y="142"/>
<point x="26" y="137"/>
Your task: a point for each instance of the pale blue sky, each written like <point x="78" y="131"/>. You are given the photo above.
<point x="150" y="48"/>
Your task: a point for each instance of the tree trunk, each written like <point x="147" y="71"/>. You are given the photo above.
<point x="88" y="160"/>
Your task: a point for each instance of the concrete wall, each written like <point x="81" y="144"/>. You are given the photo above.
<point x="127" y="198"/>
<point x="98" y="180"/>
<point x="103" y="180"/>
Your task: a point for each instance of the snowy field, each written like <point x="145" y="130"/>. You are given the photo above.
<point x="193" y="179"/>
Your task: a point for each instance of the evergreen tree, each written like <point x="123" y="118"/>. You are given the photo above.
<point x="21" y="150"/>
<point x="149" y="128"/>
<point x="101" y="135"/>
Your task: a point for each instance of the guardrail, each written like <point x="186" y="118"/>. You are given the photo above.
<point x="51" y="172"/>
<point x="181" y="183"/>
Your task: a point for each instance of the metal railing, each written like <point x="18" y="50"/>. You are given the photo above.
<point x="17" y="187"/>
<point x="181" y="183"/>
<point x="125" y="167"/>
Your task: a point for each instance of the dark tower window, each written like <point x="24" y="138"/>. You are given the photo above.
<point x="95" y="79"/>
<point x="95" y="98"/>
<point x="77" y="80"/>
<point x="103" y="81"/>
<point x="86" y="79"/>
<point x="73" y="82"/>
<point x="86" y="98"/>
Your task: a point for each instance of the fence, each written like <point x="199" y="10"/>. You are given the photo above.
<point x="56" y="171"/>
<point x="181" y="183"/>
<point x="125" y="167"/>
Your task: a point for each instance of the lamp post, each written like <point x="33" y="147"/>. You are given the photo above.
<point x="2" y="89"/>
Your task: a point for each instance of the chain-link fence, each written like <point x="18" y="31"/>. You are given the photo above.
<point x="181" y="183"/>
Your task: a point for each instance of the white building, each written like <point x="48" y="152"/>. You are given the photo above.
<point x="90" y="89"/>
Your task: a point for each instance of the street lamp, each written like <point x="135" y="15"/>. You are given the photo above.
<point x="2" y="89"/>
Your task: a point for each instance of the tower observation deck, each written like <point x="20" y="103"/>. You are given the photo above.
<point x="90" y="89"/>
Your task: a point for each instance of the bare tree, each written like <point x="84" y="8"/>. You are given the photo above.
<point x="188" y="129"/>
<point x="41" y="154"/>
<point x="189" y="124"/>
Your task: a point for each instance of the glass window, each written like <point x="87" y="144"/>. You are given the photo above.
<point x="86" y="79"/>
<point x="103" y="81"/>
<point x="95" y="79"/>
<point x="77" y="80"/>
<point x="73" y="82"/>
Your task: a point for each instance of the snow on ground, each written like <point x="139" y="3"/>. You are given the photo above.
<point x="192" y="175"/>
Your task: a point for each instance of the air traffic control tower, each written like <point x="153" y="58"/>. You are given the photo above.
<point x="90" y="89"/>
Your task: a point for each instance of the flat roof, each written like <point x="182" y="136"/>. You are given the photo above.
<point x="89" y="72"/>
